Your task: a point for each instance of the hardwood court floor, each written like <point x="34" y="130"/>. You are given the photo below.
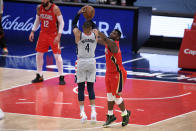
<point x="10" y="78"/>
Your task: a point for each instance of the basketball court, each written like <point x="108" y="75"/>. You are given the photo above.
<point x="159" y="94"/>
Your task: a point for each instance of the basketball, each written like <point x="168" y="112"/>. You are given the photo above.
<point x="89" y="12"/>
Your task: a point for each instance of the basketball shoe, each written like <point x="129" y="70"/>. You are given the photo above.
<point x="61" y="80"/>
<point x="93" y="117"/>
<point x="126" y="118"/>
<point x="38" y="79"/>
<point x="1" y="114"/>
<point x="110" y="119"/>
<point x="83" y="117"/>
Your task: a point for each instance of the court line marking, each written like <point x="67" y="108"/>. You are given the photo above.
<point x="133" y="60"/>
<point x="62" y="103"/>
<point x="181" y="115"/>
<point x="137" y="99"/>
<point x="98" y="57"/>
<point x="25" y="102"/>
<point x="128" y="61"/>
<point x="22" y="99"/>
<point x="26" y="55"/>
<point x="97" y="106"/>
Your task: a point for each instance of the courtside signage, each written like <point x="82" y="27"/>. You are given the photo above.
<point x="18" y="19"/>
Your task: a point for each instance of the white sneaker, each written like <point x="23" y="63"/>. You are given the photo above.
<point x="83" y="117"/>
<point x="93" y="117"/>
<point x="1" y="114"/>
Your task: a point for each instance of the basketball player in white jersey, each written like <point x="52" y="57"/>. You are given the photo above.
<point x="86" y="64"/>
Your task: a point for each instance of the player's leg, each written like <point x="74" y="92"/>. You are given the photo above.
<point x="110" y="101"/>
<point x="39" y="64"/>
<point x="125" y="113"/>
<point x="80" y="79"/>
<point x="59" y="63"/>
<point x="81" y="87"/>
<point x="119" y="100"/>
<point x="41" y="47"/>
<point x="91" y="93"/>
<point x="91" y="77"/>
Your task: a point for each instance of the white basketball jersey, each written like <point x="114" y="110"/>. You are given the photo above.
<point x="86" y="46"/>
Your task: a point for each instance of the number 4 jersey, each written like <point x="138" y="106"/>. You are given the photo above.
<point x="48" y="20"/>
<point x="86" y="46"/>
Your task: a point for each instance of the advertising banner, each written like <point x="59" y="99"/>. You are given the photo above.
<point x="18" y="19"/>
<point x="187" y="53"/>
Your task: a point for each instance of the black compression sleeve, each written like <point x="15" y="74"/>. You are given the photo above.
<point x="94" y="26"/>
<point x="75" y="21"/>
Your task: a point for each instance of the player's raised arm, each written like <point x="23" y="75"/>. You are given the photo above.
<point x="76" y="31"/>
<point x="35" y="25"/>
<point x="104" y="40"/>
<point x="59" y="16"/>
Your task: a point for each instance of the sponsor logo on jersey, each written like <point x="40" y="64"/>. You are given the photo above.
<point x="46" y="16"/>
<point x="88" y="40"/>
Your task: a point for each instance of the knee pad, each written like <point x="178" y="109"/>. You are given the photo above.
<point x="91" y="93"/>
<point x="110" y="97"/>
<point x="81" y="87"/>
<point x="118" y="101"/>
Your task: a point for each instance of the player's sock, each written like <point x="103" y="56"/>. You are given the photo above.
<point x="82" y="114"/>
<point x="124" y="113"/>
<point x="83" y="117"/>
<point x="93" y="108"/>
<point x="110" y="112"/>
<point x="81" y="108"/>
<point x="125" y="118"/>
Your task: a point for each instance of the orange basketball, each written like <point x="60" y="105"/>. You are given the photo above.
<point x="89" y="12"/>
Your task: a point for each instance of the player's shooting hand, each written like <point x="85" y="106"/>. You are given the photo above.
<point x="82" y="10"/>
<point x="31" y="36"/>
<point x="57" y="39"/>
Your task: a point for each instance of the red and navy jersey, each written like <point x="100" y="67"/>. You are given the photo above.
<point x="113" y="60"/>
<point x="48" y="20"/>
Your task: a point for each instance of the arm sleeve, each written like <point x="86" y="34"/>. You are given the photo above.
<point x="94" y="26"/>
<point x="75" y="21"/>
<point x="36" y="23"/>
<point x="61" y="23"/>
